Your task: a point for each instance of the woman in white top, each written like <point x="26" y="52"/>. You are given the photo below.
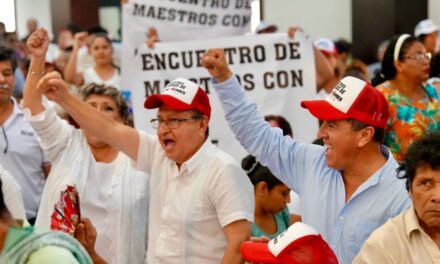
<point x="104" y="71"/>
<point x="113" y="195"/>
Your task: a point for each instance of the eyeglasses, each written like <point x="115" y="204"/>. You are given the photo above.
<point x="6" y="140"/>
<point x="420" y="56"/>
<point x="172" y="123"/>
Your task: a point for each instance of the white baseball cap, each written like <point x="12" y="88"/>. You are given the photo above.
<point x="425" y="27"/>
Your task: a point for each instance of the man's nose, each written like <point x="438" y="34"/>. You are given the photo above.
<point x="435" y="196"/>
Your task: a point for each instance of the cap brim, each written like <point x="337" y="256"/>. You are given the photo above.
<point x="156" y="100"/>
<point x="323" y="110"/>
<point x="257" y="252"/>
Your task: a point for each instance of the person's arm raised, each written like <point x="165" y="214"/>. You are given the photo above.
<point x="70" y="73"/>
<point x="323" y="69"/>
<point x="37" y="44"/>
<point x="121" y="137"/>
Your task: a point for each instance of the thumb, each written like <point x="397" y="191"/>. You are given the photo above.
<point x="80" y="233"/>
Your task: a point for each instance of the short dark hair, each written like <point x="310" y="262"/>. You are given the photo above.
<point x="258" y="173"/>
<point x="282" y="122"/>
<point x="7" y="54"/>
<point x="110" y="91"/>
<point x="423" y="152"/>
<point x="379" y="133"/>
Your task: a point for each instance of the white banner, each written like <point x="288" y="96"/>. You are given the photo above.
<point x="177" y="20"/>
<point x="276" y="72"/>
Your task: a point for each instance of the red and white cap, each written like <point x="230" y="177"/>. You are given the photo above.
<point x="352" y="98"/>
<point x="300" y="243"/>
<point x="181" y="94"/>
<point x="327" y="46"/>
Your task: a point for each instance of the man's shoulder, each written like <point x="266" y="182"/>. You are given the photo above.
<point x="393" y="230"/>
<point x="52" y="254"/>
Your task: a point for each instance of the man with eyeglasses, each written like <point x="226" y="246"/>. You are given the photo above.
<point x="201" y="202"/>
<point x="20" y="152"/>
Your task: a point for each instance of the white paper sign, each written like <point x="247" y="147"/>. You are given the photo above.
<point x="276" y="72"/>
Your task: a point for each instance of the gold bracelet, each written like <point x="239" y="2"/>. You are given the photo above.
<point x="37" y="73"/>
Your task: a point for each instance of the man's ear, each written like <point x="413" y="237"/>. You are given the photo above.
<point x="366" y="135"/>
<point x="203" y="125"/>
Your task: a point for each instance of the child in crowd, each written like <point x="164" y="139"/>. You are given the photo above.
<point x="271" y="216"/>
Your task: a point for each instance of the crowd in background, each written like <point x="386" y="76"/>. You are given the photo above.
<point x="133" y="195"/>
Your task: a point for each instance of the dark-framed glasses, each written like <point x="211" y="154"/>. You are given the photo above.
<point x="172" y="123"/>
<point x="419" y="56"/>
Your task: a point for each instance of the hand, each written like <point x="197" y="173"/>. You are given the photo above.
<point x="86" y="234"/>
<point x="292" y="30"/>
<point x="152" y="37"/>
<point x="81" y="38"/>
<point x="38" y="43"/>
<point x="53" y="86"/>
<point x="214" y="61"/>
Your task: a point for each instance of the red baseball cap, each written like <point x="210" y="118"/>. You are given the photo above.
<point x="299" y="244"/>
<point x="181" y="94"/>
<point x="352" y="98"/>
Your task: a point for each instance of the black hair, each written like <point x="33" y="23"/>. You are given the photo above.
<point x="7" y="54"/>
<point x="259" y="173"/>
<point x="422" y="152"/>
<point x="379" y="133"/>
<point x="342" y="46"/>
<point x="435" y="66"/>
<point x="388" y="71"/>
<point x="282" y="122"/>
<point x="97" y="30"/>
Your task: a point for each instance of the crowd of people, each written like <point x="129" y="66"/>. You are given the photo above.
<point x="371" y="179"/>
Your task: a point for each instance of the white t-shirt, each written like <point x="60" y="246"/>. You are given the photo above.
<point x="94" y="204"/>
<point x="123" y="195"/>
<point x="189" y="208"/>
<point x="91" y="76"/>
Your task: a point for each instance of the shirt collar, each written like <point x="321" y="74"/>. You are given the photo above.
<point x="412" y="222"/>
<point x="194" y="161"/>
<point x="374" y="179"/>
<point x="17" y="110"/>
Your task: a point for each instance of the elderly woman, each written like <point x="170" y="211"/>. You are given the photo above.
<point x="414" y="106"/>
<point x="113" y="195"/>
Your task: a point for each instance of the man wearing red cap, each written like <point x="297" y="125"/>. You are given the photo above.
<point x="349" y="186"/>
<point x="200" y="201"/>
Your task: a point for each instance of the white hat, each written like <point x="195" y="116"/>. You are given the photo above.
<point x="265" y="25"/>
<point x="327" y="46"/>
<point x="425" y="27"/>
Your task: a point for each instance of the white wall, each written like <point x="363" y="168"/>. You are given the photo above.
<point x="109" y="18"/>
<point x="319" y="18"/>
<point x="434" y="11"/>
<point x="39" y="9"/>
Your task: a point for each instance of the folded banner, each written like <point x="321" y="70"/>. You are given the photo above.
<point x="276" y="72"/>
